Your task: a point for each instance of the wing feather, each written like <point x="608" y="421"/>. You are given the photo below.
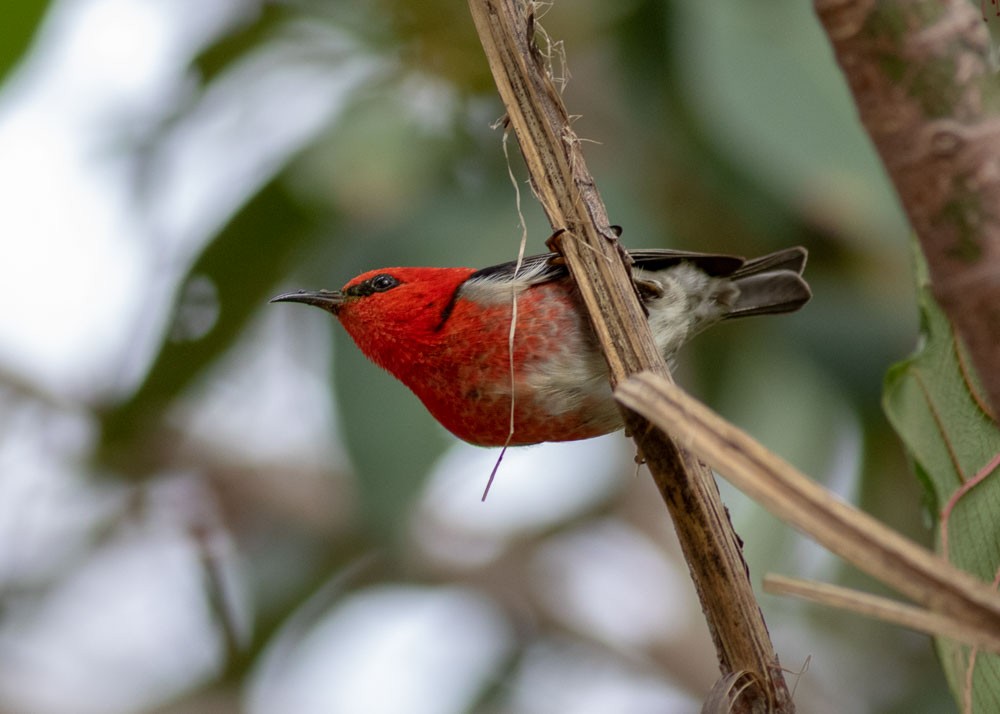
<point x="540" y="268"/>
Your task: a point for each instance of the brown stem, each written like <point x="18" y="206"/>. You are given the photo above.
<point x="852" y="534"/>
<point x="573" y="205"/>
<point x="926" y="94"/>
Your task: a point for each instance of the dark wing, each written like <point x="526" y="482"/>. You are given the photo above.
<point x="723" y="266"/>
<point x="540" y="268"/>
<point x="714" y="264"/>
<point x="767" y="285"/>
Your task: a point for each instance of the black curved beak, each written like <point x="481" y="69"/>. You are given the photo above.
<point x="329" y="300"/>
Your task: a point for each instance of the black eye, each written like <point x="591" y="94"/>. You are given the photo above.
<point x="382" y="282"/>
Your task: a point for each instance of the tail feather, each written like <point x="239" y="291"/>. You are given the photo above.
<point x="771" y="284"/>
<point x="793" y="259"/>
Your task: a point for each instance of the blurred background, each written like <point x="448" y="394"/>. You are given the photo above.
<point x="212" y="504"/>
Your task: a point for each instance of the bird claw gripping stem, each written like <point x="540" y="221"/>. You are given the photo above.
<point x="554" y="243"/>
<point x="644" y="289"/>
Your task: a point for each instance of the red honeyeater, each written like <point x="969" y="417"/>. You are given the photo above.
<point x="445" y="333"/>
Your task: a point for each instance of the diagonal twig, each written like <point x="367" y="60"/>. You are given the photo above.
<point x="575" y="210"/>
<point x="885" y="609"/>
<point x="855" y="536"/>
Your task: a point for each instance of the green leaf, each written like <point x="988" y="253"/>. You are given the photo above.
<point x="243" y="264"/>
<point x="20" y="21"/>
<point x="936" y="404"/>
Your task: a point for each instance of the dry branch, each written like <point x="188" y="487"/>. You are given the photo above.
<point x="855" y="536"/>
<point x="573" y="205"/>
<point x="884" y="609"/>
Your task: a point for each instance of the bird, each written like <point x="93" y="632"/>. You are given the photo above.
<point x="445" y="333"/>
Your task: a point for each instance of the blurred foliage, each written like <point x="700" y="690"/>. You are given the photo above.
<point x="938" y="406"/>
<point x="20" y="20"/>
<point x="714" y="127"/>
<point x="208" y="318"/>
